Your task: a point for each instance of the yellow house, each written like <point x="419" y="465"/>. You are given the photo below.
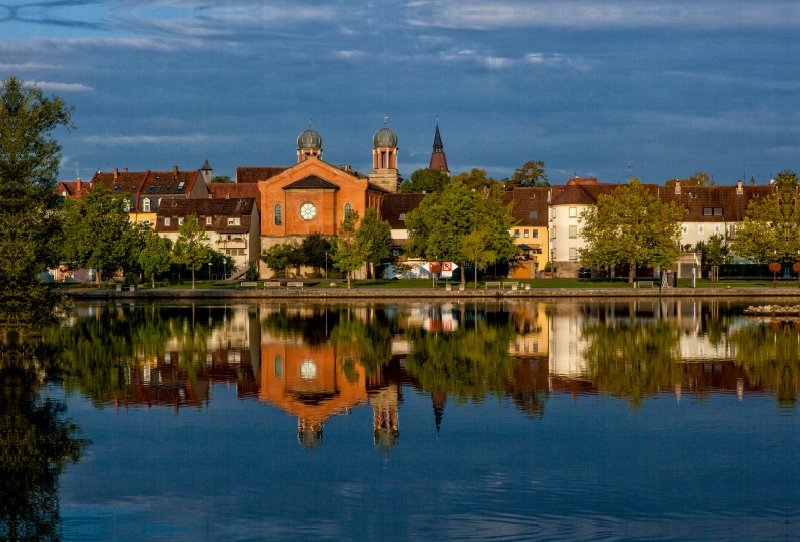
<point x="530" y="232"/>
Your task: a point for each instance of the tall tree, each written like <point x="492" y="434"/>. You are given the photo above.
<point x="439" y="226"/>
<point x="698" y="178"/>
<point x="769" y="230"/>
<point x="377" y="234"/>
<point x="99" y="234"/>
<point x="221" y="179"/>
<point x="349" y="253"/>
<point x="315" y="251"/>
<point x="31" y="232"/>
<point x="425" y="180"/>
<point x="278" y="258"/>
<point x="477" y="179"/>
<point x="191" y="249"/>
<point x="156" y="255"/>
<point x="530" y="174"/>
<point x="631" y="225"/>
<point x="714" y="252"/>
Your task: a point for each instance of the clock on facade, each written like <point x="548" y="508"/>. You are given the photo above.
<point x="308" y="211"/>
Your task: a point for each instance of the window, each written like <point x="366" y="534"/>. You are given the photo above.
<point x="127" y="205"/>
<point x="533" y="214"/>
<point x="146" y="205"/>
<point x="718" y="211"/>
<point x="180" y="221"/>
<point x="573" y="232"/>
<point x="535" y="234"/>
<point x="685" y="230"/>
<point x="234" y="221"/>
<point x="701" y="229"/>
<point x="208" y="221"/>
<point x="516" y="234"/>
<point x="278" y="210"/>
<point x="278" y="366"/>
<point x="347" y="209"/>
<point x="573" y="212"/>
<point x="553" y="232"/>
<point x="553" y="213"/>
<point x="402" y="217"/>
<point x="716" y="229"/>
<point x="707" y="211"/>
<point x="166" y="221"/>
<point x="526" y="234"/>
<point x="573" y="254"/>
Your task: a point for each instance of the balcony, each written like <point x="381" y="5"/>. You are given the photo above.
<point x="233" y="242"/>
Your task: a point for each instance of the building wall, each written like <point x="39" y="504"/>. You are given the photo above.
<point x="562" y="245"/>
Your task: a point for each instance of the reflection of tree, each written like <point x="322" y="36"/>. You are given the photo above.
<point x="770" y="355"/>
<point x="311" y="325"/>
<point x="36" y="444"/>
<point x="632" y="360"/>
<point x="469" y="363"/>
<point x="368" y="342"/>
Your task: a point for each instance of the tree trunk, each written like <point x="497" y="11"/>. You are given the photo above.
<point x="193" y="278"/>
<point x="631" y="273"/>
<point x="463" y="277"/>
<point x="97" y="277"/>
<point x="153" y="278"/>
<point x="476" y="275"/>
<point x="348" y="279"/>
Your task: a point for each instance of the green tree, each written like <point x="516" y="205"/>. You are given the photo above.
<point x="631" y="225"/>
<point x="278" y="258"/>
<point x="714" y="252"/>
<point x="156" y="256"/>
<point x="698" y="178"/>
<point x="221" y="179"/>
<point x="349" y="253"/>
<point x="425" y="180"/>
<point x="769" y="230"/>
<point x="191" y="249"/>
<point x="530" y="174"/>
<point x="476" y="179"/>
<point x="313" y="250"/>
<point x="439" y="225"/>
<point x="377" y="234"/>
<point x="99" y="234"/>
<point x="31" y="231"/>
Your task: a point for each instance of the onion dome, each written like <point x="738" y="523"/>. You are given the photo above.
<point x="384" y="137"/>
<point x="309" y="140"/>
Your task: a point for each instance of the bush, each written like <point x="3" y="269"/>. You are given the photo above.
<point x="744" y="270"/>
<point x="547" y="267"/>
<point x="252" y="272"/>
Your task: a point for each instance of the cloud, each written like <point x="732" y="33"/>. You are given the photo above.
<point x="146" y="139"/>
<point x="60" y="87"/>
<point x="481" y="15"/>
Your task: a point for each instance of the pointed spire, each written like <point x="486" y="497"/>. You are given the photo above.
<point x="439" y="401"/>
<point x="438" y="158"/>
<point x="437" y="140"/>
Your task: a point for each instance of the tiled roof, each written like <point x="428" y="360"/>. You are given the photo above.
<point x="218" y="209"/>
<point x="126" y="182"/>
<point x="699" y="198"/>
<point x="395" y="205"/>
<point x="71" y="189"/>
<point x="582" y="180"/>
<point x="169" y="182"/>
<point x="248" y="174"/>
<point x="579" y="194"/>
<point x="527" y="202"/>
<point x="311" y="181"/>
<point x="233" y="190"/>
<point x="373" y="186"/>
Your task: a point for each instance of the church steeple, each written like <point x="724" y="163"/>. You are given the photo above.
<point x="438" y="159"/>
<point x="384" y="159"/>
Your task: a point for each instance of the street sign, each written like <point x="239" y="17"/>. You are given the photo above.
<point x="447" y="269"/>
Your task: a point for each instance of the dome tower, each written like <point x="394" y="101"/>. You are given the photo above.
<point x="309" y="144"/>
<point x="384" y="159"/>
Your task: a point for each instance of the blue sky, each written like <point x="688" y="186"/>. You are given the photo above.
<point x="585" y="85"/>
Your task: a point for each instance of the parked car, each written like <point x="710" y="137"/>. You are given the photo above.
<point x="585" y="273"/>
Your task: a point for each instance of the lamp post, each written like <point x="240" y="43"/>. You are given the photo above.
<point x="326" y="266"/>
<point x="224" y="267"/>
<point x="209" y="270"/>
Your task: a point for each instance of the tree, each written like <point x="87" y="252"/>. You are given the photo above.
<point x="349" y="253"/>
<point x="278" y="258"/>
<point x="631" y="225"/>
<point x="476" y="179"/>
<point x="438" y="226"/>
<point x="530" y="174"/>
<point x="698" y="178"/>
<point x="313" y="250"/>
<point x="99" y="234"/>
<point x="425" y="180"/>
<point x="377" y="234"/>
<point x="221" y="179"/>
<point x="156" y="255"/>
<point x="714" y="252"/>
<point x="31" y="231"/>
<point x="191" y="248"/>
<point x="769" y="230"/>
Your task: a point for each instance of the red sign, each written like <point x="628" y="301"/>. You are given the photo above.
<point x="447" y="266"/>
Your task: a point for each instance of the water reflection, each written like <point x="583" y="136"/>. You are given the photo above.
<point x="316" y="361"/>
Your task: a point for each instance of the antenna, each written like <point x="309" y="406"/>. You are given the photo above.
<point x="77" y="169"/>
<point x="629" y="169"/>
<point x="437" y="119"/>
<point x="309" y="123"/>
<point x="384" y="120"/>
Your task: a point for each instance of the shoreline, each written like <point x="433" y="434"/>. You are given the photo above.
<point x="411" y="293"/>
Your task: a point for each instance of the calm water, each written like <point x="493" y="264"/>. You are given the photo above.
<point x="491" y="421"/>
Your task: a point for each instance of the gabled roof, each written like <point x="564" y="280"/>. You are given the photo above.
<point x="248" y="174"/>
<point x="120" y="183"/>
<point x="527" y="200"/>
<point x="233" y="190"/>
<point x="395" y="205"/>
<point x="579" y="194"/>
<point x="169" y="182"/>
<point x="311" y="181"/>
<point x="697" y="198"/>
<point x="70" y="190"/>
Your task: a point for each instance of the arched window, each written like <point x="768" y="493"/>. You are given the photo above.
<point x="347" y="209"/>
<point x="278" y="214"/>
<point x="146" y="205"/>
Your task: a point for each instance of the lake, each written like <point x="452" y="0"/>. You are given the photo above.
<point x="489" y="420"/>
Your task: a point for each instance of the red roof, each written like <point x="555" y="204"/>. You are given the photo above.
<point x="233" y="190"/>
<point x="247" y="174"/>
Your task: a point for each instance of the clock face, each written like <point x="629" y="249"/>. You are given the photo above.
<point x="308" y="211"/>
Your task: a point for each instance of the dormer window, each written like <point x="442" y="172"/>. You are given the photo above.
<point x="402" y="217"/>
<point x="180" y="221"/>
<point x="151" y="189"/>
<point x="208" y="221"/>
<point x="166" y="221"/>
<point x="180" y="187"/>
<point x="167" y="188"/>
<point x="146" y="205"/>
<point x="234" y="221"/>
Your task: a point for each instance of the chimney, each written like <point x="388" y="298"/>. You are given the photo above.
<point x="771" y="181"/>
<point x="116" y="173"/>
<point x="739" y="189"/>
<point x="78" y="185"/>
<point x="175" y="172"/>
<point x="124" y="170"/>
<point x="677" y="187"/>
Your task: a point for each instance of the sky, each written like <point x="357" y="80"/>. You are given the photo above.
<point x="587" y="86"/>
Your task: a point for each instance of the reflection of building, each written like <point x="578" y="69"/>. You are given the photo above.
<point x="385" y="421"/>
<point x="532" y="329"/>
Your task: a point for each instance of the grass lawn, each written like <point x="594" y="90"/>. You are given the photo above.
<point x="735" y="284"/>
